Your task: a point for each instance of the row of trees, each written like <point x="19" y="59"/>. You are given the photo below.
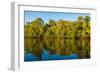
<point x="61" y="37"/>
<point x="58" y="29"/>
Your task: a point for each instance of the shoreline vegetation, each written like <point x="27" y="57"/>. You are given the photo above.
<point x="59" y="37"/>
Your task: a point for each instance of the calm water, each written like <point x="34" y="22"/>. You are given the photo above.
<point x="47" y="56"/>
<point x="55" y="49"/>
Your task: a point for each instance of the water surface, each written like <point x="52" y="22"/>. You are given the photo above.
<point x="55" y="49"/>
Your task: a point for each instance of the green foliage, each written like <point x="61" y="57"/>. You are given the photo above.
<point x="62" y="31"/>
<point x="87" y="18"/>
<point x="58" y="29"/>
<point x="51" y="22"/>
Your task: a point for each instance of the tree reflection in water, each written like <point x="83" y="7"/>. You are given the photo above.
<point x="61" y="47"/>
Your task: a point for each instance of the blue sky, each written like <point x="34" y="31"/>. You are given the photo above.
<point x="31" y="15"/>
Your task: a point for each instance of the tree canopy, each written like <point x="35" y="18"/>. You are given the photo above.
<point x="58" y="29"/>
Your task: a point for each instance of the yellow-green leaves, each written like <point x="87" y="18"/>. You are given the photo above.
<point x="58" y="29"/>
